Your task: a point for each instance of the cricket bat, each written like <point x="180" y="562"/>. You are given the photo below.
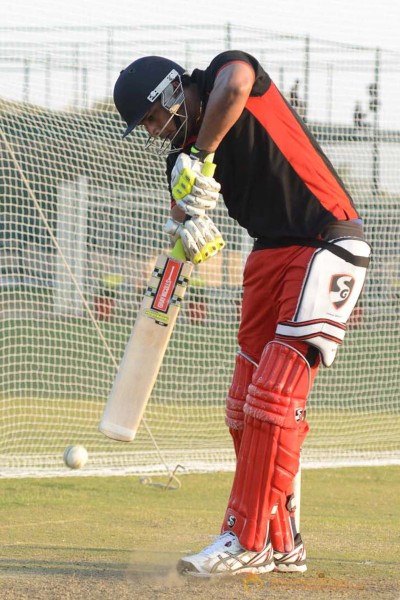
<point x="146" y="347"/>
<point x="148" y="342"/>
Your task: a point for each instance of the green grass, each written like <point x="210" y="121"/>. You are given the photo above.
<point x="91" y="538"/>
<point x="44" y="426"/>
<point x="55" y="356"/>
<point x="37" y="431"/>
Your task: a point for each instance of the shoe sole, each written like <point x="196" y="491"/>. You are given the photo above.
<point x="187" y="569"/>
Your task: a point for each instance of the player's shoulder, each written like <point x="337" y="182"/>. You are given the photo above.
<point x="231" y="56"/>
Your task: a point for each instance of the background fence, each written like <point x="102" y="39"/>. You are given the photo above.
<point x="106" y="200"/>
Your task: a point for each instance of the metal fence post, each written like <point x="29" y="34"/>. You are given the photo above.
<point x="375" y="107"/>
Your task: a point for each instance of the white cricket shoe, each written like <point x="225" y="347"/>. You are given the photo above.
<point x="227" y="557"/>
<point x="291" y="562"/>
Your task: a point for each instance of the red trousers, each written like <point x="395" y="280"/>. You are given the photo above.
<point x="272" y="280"/>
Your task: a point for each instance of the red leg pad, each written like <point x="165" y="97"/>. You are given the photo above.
<point x="236" y="398"/>
<point x="270" y="449"/>
<point x="282" y="525"/>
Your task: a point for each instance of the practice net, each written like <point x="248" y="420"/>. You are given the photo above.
<point x="81" y="222"/>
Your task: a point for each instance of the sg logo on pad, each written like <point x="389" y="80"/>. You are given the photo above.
<point x="231" y="521"/>
<point x="340" y="289"/>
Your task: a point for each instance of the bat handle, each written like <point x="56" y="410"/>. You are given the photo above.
<point x="208" y="169"/>
<point x="178" y="251"/>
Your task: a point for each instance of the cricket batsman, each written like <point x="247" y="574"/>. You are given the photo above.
<point x="300" y="284"/>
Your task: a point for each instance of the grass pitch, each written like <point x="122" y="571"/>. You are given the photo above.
<point x="90" y="538"/>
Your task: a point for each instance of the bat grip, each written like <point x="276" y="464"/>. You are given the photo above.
<point x="178" y="251"/>
<point x="208" y="169"/>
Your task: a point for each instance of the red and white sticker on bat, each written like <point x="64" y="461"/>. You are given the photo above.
<point x="167" y="285"/>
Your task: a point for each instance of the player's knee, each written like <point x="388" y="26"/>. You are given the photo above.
<point x="280" y="386"/>
<point x="310" y="353"/>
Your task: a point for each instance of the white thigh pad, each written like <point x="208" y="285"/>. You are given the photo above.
<point x="331" y="288"/>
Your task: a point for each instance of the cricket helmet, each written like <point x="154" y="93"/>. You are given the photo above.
<point x="142" y="83"/>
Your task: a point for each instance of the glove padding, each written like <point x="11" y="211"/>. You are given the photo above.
<point x="201" y="239"/>
<point x="193" y="191"/>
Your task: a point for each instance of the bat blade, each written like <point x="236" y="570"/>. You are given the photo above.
<point x="145" y="350"/>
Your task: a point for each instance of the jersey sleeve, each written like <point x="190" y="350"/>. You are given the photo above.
<point x="262" y="81"/>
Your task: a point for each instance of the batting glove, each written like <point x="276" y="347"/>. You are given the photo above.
<point x="193" y="189"/>
<point x="201" y="239"/>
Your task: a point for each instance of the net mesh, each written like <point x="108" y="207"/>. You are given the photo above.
<point x="81" y="221"/>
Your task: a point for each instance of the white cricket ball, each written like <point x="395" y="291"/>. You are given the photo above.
<point x="75" y="457"/>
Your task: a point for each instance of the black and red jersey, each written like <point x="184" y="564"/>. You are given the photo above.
<point x="275" y="179"/>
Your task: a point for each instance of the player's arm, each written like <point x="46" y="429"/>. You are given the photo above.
<point x="227" y="100"/>
<point x="192" y="189"/>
